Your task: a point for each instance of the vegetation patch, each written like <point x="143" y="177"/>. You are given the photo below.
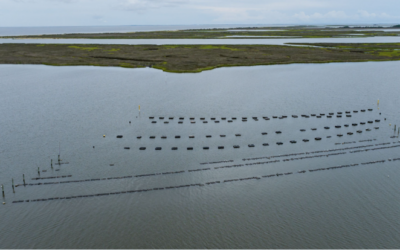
<point x="194" y="58"/>
<point x="83" y="48"/>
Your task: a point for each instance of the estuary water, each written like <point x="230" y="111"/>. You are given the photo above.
<point x="349" y="199"/>
<point x="20" y="31"/>
<point x="271" y="41"/>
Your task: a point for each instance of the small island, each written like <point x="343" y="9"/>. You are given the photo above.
<point x="193" y="58"/>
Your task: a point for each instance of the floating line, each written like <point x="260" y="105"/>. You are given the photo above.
<point x="202" y="185"/>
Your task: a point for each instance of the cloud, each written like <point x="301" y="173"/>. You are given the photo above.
<point x="142" y="5"/>
<point x="343" y="16"/>
<point x="154" y="12"/>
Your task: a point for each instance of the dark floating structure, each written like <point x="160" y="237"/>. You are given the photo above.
<point x="313" y="129"/>
<point x="119" y="136"/>
<point x="142" y="148"/>
<point x="127" y="148"/>
<point x="236" y="146"/>
<point x="377" y="120"/>
<point x="340" y="135"/>
<point x="222" y="135"/>
<point x="306" y="140"/>
<point x="158" y="148"/>
<point x="350" y="133"/>
<point x="302" y="130"/>
<point x="338" y="126"/>
<point x="278" y="132"/>
<point x="251" y="145"/>
<point x="279" y="143"/>
<point x="190" y="148"/>
<point x="177" y="137"/>
<point x="293" y="141"/>
<point x="346" y="125"/>
<point x="206" y="148"/>
<point x="318" y="138"/>
<point x="163" y="137"/>
<point x="264" y="133"/>
<point x="216" y="162"/>
<point x="326" y="127"/>
<point x="174" y="148"/>
<point x="221" y="147"/>
<point x="153" y="122"/>
<point x="238" y="135"/>
<point x="265" y="144"/>
<point x="215" y="182"/>
<point x="139" y="137"/>
<point x="52" y="177"/>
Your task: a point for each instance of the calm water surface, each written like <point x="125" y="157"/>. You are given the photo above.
<point x="19" y="31"/>
<point x="274" y="41"/>
<point x="355" y="207"/>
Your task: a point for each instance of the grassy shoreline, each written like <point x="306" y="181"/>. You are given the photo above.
<point x="193" y="58"/>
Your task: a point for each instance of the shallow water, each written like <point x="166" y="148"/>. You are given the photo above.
<point x="19" y="31"/>
<point x="252" y="30"/>
<point x="261" y="36"/>
<point x="352" y="207"/>
<point x="273" y="41"/>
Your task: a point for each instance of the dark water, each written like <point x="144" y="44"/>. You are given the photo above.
<point x="350" y="207"/>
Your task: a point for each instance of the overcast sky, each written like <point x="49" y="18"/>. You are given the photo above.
<point x="155" y="12"/>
